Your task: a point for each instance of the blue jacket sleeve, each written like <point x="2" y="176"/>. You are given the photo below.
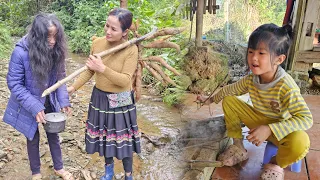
<point x="16" y="84"/>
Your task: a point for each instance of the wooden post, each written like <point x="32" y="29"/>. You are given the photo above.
<point x="124" y="4"/>
<point x="297" y="34"/>
<point x="310" y="21"/>
<point x="199" y="22"/>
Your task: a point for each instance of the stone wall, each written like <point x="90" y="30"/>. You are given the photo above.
<point x="300" y="74"/>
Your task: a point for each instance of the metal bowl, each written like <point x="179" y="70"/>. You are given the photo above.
<point x="55" y="122"/>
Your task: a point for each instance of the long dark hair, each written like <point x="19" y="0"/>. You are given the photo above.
<point x="43" y="59"/>
<point x="278" y="39"/>
<point x="124" y="16"/>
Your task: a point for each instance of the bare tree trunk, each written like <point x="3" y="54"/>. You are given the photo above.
<point x="38" y="6"/>
<point x="199" y="22"/>
<point x="124" y="4"/>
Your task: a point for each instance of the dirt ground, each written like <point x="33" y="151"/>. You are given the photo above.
<point x="159" y="125"/>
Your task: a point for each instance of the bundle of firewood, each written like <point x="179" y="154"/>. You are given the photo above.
<point x="154" y="64"/>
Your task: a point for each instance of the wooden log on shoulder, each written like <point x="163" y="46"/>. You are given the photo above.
<point x="101" y="54"/>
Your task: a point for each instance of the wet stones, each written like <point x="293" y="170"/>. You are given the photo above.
<point x="2" y="164"/>
<point x="212" y="128"/>
<point x="119" y="176"/>
<point x="2" y="154"/>
<point x="236" y="72"/>
<point x="16" y="150"/>
<point x="16" y="133"/>
<point x="204" y="139"/>
<point x="150" y="147"/>
<point x="66" y="136"/>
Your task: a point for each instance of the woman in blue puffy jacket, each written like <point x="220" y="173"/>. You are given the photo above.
<point x="37" y="62"/>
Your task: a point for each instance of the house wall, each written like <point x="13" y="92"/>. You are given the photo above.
<point x="302" y="55"/>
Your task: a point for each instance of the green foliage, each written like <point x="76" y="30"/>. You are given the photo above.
<point x="82" y="19"/>
<point x="16" y="14"/>
<point x="5" y="41"/>
<point x="269" y="11"/>
<point x="173" y="96"/>
<point x="155" y="13"/>
<point x="243" y="16"/>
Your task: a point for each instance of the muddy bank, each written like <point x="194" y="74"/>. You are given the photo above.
<point x="160" y="125"/>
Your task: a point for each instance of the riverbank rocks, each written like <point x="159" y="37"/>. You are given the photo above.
<point x="2" y="154"/>
<point x="205" y="139"/>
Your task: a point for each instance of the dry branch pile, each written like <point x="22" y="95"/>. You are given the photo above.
<point x="154" y="64"/>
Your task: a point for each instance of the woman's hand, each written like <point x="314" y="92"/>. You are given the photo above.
<point x="71" y="90"/>
<point x="259" y="134"/>
<point x="95" y="63"/>
<point x="201" y="99"/>
<point x="66" y="110"/>
<point x="40" y="117"/>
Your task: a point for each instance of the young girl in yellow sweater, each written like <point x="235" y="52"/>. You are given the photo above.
<point x="279" y="113"/>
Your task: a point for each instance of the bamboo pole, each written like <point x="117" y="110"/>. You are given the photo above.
<point x="101" y="54"/>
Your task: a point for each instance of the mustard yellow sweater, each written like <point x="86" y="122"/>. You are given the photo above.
<point x="120" y="67"/>
<point x="280" y="99"/>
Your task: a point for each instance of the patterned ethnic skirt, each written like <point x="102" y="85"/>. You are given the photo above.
<point x="113" y="132"/>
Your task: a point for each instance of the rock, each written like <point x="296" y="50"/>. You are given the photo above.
<point x="2" y="154"/>
<point x="6" y="142"/>
<point x="150" y="147"/>
<point x="2" y="165"/>
<point x="16" y="150"/>
<point x="10" y="157"/>
<point x="42" y="152"/>
<point x="93" y="175"/>
<point x="141" y="156"/>
<point x="66" y="136"/>
<point x="143" y="173"/>
<point x="47" y="159"/>
<point x="86" y="174"/>
<point x="138" y="177"/>
<point x="119" y="176"/>
<point x="16" y="133"/>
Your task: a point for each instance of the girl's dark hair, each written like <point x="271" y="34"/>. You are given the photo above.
<point x="277" y="39"/>
<point x="43" y="59"/>
<point x="124" y="16"/>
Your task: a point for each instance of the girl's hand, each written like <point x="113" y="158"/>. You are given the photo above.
<point x="259" y="134"/>
<point x="66" y="110"/>
<point x="95" y="63"/>
<point x="202" y="98"/>
<point x="40" y="117"/>
<point x="71" y="90"/>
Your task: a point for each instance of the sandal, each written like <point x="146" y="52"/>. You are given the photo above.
<point x="65" y="175"/>
<point x="36" y="177"/>
<point x="233" y="155"/>
<point x="272" y="172"/>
